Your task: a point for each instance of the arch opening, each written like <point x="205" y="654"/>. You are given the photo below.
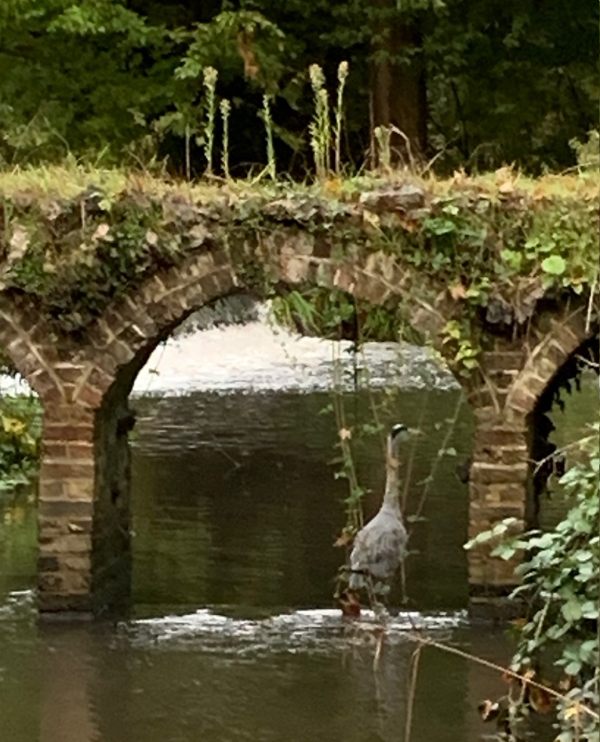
<point x="251" y="444"/>
<point x="570" y="402"/>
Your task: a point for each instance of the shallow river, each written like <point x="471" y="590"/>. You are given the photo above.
<point x="233" y="635"/>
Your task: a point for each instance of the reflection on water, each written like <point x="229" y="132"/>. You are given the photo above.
<point x="235" y="500"/>
<point x="298" y="677"/>
<point x="233" y="635"/>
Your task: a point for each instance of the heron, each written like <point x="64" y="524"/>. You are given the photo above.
<point x="380" y="546"/>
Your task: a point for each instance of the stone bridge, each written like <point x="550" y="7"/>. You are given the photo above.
<point x="84" y="381"/>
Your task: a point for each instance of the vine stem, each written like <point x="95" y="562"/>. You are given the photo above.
<point x="566" y="447"/>
<point x="431" y="477"/>
<point x="412" y="689"/>
<point x="427" y="641"/>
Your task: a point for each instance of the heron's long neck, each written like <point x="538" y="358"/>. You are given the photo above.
<point x="392" y="479"/>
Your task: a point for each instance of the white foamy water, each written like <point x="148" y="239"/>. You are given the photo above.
<point x="10" y="387"/>
<point x="259" y="357"/>
<point x="303" y="630"/>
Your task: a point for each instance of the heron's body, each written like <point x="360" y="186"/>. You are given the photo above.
<point x="380" y="546"/>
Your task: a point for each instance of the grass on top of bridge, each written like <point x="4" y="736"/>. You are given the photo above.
<point x="71" y="178"/>
<point x="73" y="237"/>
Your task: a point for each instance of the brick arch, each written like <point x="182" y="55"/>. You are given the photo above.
<point x="564" y="338"/>
<point x="502" y="482"/>
<point x="122" y="339"/>
<point x="28" y="345"/>
<point x="83" y="503"/>
<point x="84" y="518"/>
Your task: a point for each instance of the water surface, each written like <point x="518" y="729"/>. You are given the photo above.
<point x="233" y="634"/>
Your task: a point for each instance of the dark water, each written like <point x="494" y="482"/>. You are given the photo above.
<point x="236" y="502"/>
<point x="233" y="637"/>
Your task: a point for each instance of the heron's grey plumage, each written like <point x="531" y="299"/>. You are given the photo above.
<point x="380" y="546"/>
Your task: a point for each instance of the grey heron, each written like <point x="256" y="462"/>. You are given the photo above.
<point x="380" y="546"/>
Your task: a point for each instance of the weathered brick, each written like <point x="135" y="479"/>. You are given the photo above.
<point x="51" y="470"/>
<point x="498" y="493"/>
<point x="67" y="509"/>
<point x="344" y="278"/>
<point x="71" y="413"/>
<point x="80" y="450"/>
<point x="371" y="289"/>
<point x="294" y="270"/>
<point x="503" y="360"/>
<point x="79" y="489"/>
<point x="491" y="473"/>
<point x="502" y="454"/>
<point x="59" y="432"/>
<point x="73" y="543"/>
<point x="70" y="373"/>
<point x="54" y="603"/>
<point x="78" y="563"/>
<point x="120" y="351"/>
<point x="488" y="397"/>
<point x="488" y="416"/>
<point x="80" y="525"/>
<point x="52" y="449"/>
<point x="100" y="335"/>
<point x="521" y="399"/>
<point x="47" y="563"/>
<point x="502" y="378"/>
<point x="90" y="396"/>
<point x="100" y="379"/>
<point x="531" y="383"/>
<point x="51" y="490"/>
<point x="498" y="436"/>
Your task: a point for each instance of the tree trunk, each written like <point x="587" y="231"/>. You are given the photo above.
<point x="399" y="96"/>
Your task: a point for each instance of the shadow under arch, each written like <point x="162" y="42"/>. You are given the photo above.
<point x="540" y="426"/>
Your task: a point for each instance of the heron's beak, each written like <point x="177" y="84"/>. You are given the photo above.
<point x="415" y="433"/>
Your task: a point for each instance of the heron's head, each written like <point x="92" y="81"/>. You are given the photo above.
<point x="397" y="435"/>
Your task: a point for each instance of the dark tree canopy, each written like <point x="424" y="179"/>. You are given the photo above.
<point x="479" y="84"/>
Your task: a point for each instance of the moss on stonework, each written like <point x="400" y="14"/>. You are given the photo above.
<point x="490" y="246"/>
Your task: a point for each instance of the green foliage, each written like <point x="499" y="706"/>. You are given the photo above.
<point x="333" y="314"/>
<point x="492" y="248"/>
<point x="20" y="433"/>
<point x="114" y="81"/>
<point x="464" y="356"/>
<point x="561" y="585"/>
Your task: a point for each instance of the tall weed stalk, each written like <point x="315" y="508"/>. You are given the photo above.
<point x="225" y="108"/>
<point x="383" y="149"/>
<point x="266" y="116"/>
<point x="342" y="75"/>
<point x="320" y="126"/>
<point x="210" y="83"/>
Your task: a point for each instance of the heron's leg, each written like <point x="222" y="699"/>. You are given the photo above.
<point x="373" y="602"/>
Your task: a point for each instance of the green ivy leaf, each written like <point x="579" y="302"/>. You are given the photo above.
<point x="554" y="265"/>
<point x="571" y="610"/>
